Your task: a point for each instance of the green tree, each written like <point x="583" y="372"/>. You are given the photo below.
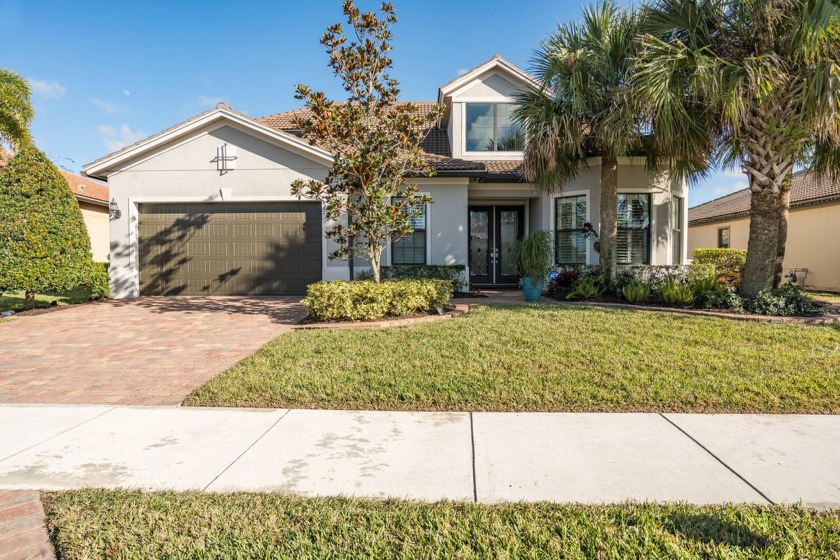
<point x="373" y="138"/>
<point x="15" y="108"/>
<point x="44" y="245"/>
<point x="584" y="108"/>
<point x="752" y="84"/>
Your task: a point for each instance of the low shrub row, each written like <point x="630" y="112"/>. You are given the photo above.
<point x="728" y="263"/>
<point x="365" y="300"/>
<point x="455" y="273"/>
<point x="695" y="285"/>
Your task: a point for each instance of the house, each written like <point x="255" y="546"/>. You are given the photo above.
<point x="92" y="197"/>
<point x="812" y="253"/>
<point x="206" y="207"/>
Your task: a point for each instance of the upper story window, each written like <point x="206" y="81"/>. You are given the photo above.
<point x="490" y="128"/>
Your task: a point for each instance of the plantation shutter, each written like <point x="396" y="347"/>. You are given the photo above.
<point x="570" y="243"/>
<point x="633" y="245"/>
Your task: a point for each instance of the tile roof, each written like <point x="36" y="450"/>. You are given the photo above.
<point x="87" y="188"/>
<point x="805" y="189"/>
<point x="81" y="186"/>
<point x="435" y="145"/>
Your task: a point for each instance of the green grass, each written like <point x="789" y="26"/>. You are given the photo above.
<point x="544" y="357"/>
<point x="831" y="297"/>
<point x="132" y="524"/>
<point x="16" y="300"/>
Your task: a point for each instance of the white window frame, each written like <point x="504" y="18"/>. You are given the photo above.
<point x="428" y="209"/>
<point x="553" y="217"/>
<point x="490" y="154"/>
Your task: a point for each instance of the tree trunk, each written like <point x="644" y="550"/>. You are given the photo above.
<point x="29" y="300"/>
<point x="375" y="258"/>
<point x="609" y="207"/>
<point x="784" y="211"/>
<point x="762" y="246"/>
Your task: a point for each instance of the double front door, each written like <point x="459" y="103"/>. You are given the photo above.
<point x="493" y="232"/>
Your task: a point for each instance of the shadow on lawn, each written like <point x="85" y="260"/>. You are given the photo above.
<point x="707" y="528"/>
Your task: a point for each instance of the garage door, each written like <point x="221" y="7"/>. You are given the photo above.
<point x="229" y="248"/>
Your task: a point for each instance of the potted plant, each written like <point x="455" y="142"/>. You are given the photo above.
<point x="589" y="233"/>
<point x="532" y="255"/>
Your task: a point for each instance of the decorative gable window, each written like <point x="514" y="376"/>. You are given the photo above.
<point x="633" y="245"/>
<point x="490" y="128"/>
<point x="411" y="249"/>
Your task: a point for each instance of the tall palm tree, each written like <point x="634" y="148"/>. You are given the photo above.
<point x="756" y="84"/>
<point x="15" y="108"/>
<point x="584" y="109"/>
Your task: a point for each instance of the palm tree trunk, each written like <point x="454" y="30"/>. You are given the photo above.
<point x="784" y="212"/>
<point x="762" y="247"/>
<point x="609" y="207"/>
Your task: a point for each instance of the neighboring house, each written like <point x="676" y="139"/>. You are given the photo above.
<point x="812" y="252"/>
<point x="92" y="197"/>
<point x="93" y="202"/>
<point x="206" y="205"/>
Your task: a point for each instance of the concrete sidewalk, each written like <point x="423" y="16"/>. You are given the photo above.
<point x="484" y="457"/>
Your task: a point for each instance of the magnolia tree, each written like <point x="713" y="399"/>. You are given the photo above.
<point x="373" y="138"/>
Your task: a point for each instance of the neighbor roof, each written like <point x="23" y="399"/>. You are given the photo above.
<point x="806" y="189"/>
<point x="82" y="187"/>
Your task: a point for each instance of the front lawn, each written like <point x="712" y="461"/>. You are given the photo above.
<point x="133" y="524"/>
<point x="16" y="300"/>
<point x="545" y="357"/>
<point x="828" y="297"/>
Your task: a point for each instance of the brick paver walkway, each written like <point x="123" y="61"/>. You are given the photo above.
<point x="22" y="531"/>
<point x="146" y="351"/>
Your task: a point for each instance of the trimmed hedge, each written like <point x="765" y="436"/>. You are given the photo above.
<point x="364" y="300"/>
<point x="455" y="273"/>
<point x="728" y="263"/>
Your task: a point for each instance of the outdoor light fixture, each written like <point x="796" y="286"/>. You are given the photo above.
<point x="114" y="211"/>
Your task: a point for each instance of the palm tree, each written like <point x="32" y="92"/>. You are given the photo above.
<point x="755" y="84"/>
<point x="15" y="108"/>
<point x="584" y="109"/>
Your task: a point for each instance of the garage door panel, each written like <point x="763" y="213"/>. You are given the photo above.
<point x="229" y="248"/>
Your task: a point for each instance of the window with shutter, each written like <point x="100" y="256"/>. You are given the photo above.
<point x="676" y="229"/>
<point x="411" y="249"/>
<point x="570" y="243"/>
<point x="633" y="217"/>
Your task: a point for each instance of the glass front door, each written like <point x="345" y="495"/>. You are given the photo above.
<point x="493" y="232"/>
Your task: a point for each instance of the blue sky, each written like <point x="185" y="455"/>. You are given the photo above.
<point x="106" y="74"/>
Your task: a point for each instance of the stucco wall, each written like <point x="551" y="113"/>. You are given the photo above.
<point x="812" y="243"/>
<point x="96" y="222"/>
<point x="632" y="178"/>
<point x="184" y="170"/>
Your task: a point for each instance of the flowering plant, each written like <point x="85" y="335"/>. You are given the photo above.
<point x="589" y="231"/>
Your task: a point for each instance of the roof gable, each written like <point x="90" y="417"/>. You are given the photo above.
<point x="221" y="114"/>
<point x="497" y="64"/>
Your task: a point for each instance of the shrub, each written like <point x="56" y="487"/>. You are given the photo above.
<point x="44" y="244"/>
<point x="656" y="276"/>
<point x="676" y="293"/>
<point x="636" y="292"/>
<point x="586" y="288"/>
<point x="97" y="282"/>
<point x="719" y="299"/>
<point x="532" y="255"/>
<point x="454" y="273"/>
<point x="787" y="300"/>
<point x="707" y="284"/>
<point x="364" y="300"/>
<point x="728" y="263"/>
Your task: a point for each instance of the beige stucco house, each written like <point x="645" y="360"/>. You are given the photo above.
<point x="205" y="206"/>
<point x="812" y="252"/>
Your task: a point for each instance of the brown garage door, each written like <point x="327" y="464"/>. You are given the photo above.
<point x="229" y="248"/>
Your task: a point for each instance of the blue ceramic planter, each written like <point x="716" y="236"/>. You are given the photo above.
<point x="532" y="290"/>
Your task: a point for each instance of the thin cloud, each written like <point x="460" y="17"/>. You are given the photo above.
<point x="207" y="101"/>
<point x="126" y="92"/>
<point x="51" y="89"/>
<point x="114" y="138"/>
<point x="104" y="106"/>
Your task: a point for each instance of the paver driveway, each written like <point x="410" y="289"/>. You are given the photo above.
<point x="147" y="351"/>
